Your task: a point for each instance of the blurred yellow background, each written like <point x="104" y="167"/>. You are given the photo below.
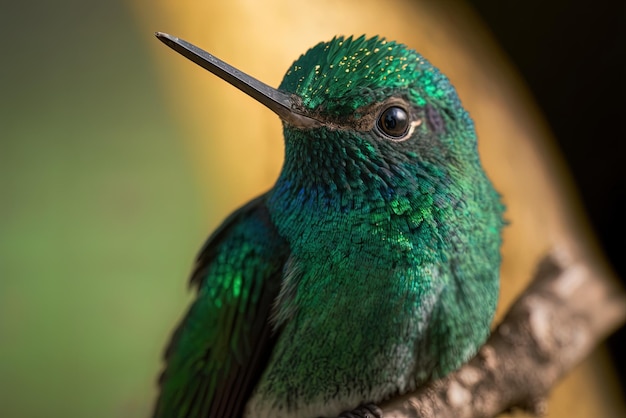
<point x="117" y="158"/>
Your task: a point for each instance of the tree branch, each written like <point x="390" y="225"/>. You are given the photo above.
<point x="562" y="316"/>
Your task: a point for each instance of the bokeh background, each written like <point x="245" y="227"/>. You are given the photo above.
<point x="118" y="157"/>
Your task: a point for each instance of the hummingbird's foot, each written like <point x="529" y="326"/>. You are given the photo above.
<point x="363" y="411"/>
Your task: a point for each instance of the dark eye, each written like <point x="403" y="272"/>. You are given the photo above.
<point x="394" y="122"/>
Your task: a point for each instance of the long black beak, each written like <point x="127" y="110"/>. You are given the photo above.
<point x="281" y="103"/>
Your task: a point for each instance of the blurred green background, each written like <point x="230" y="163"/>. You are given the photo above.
<point x="98" y="213"/>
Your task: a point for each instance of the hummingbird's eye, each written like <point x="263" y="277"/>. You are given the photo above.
<point x="394" y="122"/>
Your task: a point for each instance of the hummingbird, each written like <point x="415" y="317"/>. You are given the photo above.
<point x="370" y="268"/>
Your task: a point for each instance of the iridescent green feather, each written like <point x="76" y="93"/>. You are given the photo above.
<point x="220" y="348"/>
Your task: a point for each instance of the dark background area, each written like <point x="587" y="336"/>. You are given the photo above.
<point x="572" y="57"/>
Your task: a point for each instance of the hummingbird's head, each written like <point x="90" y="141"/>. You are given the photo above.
<point x="361" y="114"/>
<point x="379" y="106"/>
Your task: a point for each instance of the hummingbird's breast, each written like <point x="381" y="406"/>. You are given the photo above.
<point x="352" y="306"/>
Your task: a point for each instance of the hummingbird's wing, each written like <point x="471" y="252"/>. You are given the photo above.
<point x="220" y="349"/>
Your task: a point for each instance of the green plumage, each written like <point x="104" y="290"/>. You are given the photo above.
<point x="368" y="269"/>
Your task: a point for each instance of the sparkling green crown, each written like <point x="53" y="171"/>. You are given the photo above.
<point x="349" y="73"/>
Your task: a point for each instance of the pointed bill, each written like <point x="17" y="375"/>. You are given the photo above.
<point x="279" y="102"/>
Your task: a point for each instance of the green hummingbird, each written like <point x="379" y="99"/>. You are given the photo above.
<point x="368" y="269"/>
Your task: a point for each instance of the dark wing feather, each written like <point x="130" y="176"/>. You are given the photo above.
<point x="220" y="349"/>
